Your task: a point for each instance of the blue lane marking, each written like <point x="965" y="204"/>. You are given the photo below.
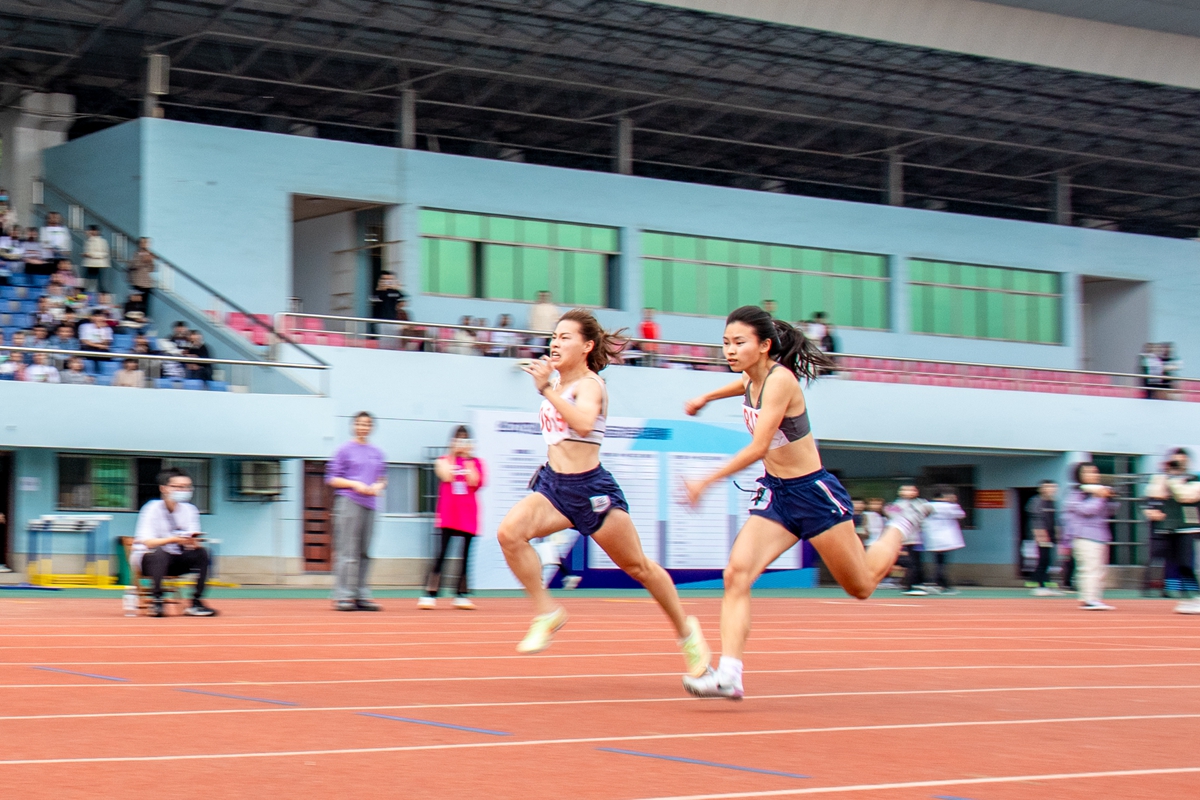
<point x="240" y="697"/>
<point x="702" y="763"/>
<point x="434" y="724"/>
<point x="84" y="674"/>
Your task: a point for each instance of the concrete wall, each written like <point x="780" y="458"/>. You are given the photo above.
<point x="1116" y="324"/>
<point x="313" y="246"/>
<point x="199" y="180"/>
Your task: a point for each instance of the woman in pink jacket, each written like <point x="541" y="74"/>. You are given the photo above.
<point x="461" y="475"/>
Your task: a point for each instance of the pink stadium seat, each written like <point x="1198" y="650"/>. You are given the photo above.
<point x="259" y="336"/>
<point x="977" y="372"/>
<point x="335" y="340"/>
<point x="371" y="344"/>
<point x="237" y="320"/>
<point x="310" y="324"/>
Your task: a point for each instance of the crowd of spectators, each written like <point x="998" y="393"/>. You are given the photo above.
<point x="47" y="302"/>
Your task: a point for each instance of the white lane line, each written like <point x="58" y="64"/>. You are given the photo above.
<point x="600" y="739"/>
<point x="891" y="654"/>
<point x="1085" y="639"/>
<point x="879" y="787"/>
<point x="608" y="701"/>
<point x="591" y="675"/>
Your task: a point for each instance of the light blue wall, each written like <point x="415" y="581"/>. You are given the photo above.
<point x="217" y="201"/>
<point x="104" y="171"/>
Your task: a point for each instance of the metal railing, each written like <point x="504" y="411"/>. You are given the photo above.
<point x="224" y="373"/>
<point x="331" y="330"/>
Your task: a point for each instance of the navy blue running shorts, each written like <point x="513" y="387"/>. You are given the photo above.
<point x="584" y="498"/>
<point x="806" y="506"/>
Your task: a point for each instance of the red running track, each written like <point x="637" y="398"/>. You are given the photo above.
<point x="946" y="698"/>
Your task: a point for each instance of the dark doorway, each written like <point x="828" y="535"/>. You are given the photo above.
<point x="6" y="506"/>
<point x="317" y="543"/>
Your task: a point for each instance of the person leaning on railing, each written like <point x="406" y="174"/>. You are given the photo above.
<point x="1173" y="508"/>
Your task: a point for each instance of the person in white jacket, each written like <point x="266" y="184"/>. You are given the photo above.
<point x="942" y="533"/>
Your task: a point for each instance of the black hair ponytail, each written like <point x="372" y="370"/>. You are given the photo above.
<point x="789" y="346"/>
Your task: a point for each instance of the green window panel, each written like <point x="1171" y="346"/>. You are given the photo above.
<point x="517" y="257"/>
<point x="852" y="288"/>
<point x="111" y="483"/>
<point x="981" y="302"/>
<point x="500" y="272"/>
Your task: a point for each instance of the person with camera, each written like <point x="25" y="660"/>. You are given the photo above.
<point x="461" y="475"/>
<point x="1086" y="516"/>
<point x="1173" y="508"/>
<point x="167" y="542"/>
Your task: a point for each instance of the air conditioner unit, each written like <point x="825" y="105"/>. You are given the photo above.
<point x="261" y="480"/>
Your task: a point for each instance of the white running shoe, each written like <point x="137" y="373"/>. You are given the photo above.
<point x="542" y="630"/>
<point x="1045" y="591"/>
<point x="696" y="652"/>
<point x="1188" y="607"/>
<point x="1097" y="607"/>
<point x="571" y="582"/>
<point x="464" y="603"/>
<point x="427" y="603"/>
<point x="915" y="592"/>
<point x="709" y="685"/>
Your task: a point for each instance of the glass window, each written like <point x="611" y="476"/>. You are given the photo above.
<point x="122" y="483"/>
<point x="982" y="302"/>
<point x="411" y="489"/>
<point x="517" y="258"/>
<point x="711" y="277"/>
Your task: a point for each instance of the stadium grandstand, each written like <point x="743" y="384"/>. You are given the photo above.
<point x="276" y="281"/>
<point x="984" y="212"/>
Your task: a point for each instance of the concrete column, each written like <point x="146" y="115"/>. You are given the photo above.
<point x="894" y="189"/>
<point x="623" y="146"/>
<point x="406" y="120"/>
<point x="1061" y="200"/>
<point x="898" y="306"/>
<point x="37" y="122"/>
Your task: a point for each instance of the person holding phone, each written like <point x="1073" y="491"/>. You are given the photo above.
<point x="167" y="541"/>
<point x="1088" y="510"/>
<point x="461" y="475"/>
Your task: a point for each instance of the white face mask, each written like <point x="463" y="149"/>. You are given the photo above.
<point x="180" y="495"/>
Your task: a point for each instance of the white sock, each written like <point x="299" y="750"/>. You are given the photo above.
<point x="729" y="670"/>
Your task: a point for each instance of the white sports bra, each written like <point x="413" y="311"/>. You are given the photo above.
<point x="555" y="428"/>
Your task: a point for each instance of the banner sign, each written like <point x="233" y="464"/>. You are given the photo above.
<point x="650" y="459"/>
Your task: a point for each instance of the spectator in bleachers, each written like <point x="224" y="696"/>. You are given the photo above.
<point x="45" y="314"/>
<point x="71" y="320"/>
<point x="384" y="302"/>
<point x="64" y="274"/>
<point x="19" y="338"/>
<point x="10" y="244"/>
<point x="75" y="374"/>
<point x="141" y="269"/>
<point x="96" y="260"/>
<point x="63" y="339"/>
<point x="96" y="336"/>
<point x="1150" y="364"/>
<point x="34" y="256"/>
<point x="769" y="306"/>
<point x="130" y="375"/>
<point x="76" y="298"/>
<point x="504" y="342"/>
<point x="543" y="316"/>
<point x="1171" y="364"/>
<point x="181" y="335"/>
<point x="56" y="300"/>
<point x="14" y="368"/>
<point x="650" y="332"/>
<point x="462" y="343"/>
<point x="134" y="311"/>
<point x="41" y="370"/>
<point x="198" y="349"/>
<point x="815" y="328"/>
<point x="41" y="337"/>
<point x="56" y="239"/>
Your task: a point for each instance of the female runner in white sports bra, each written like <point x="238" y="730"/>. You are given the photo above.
<point x="797" y="499"/>
<point x="573" y="491"/>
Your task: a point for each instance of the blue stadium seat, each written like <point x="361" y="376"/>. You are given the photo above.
<point x="218" y="386"/>
<point x="193" y="385"/>
<point x="7" y="376"/>
<point x="169" y="383"/>
<point x="122" y="342"/>
<point x="109" y="367"/>
<point x="39" y="280"/>
<point x="104" y="380"/>
<point x="89" y="366"/>
<point x="29" y="306"/>
<point x="19" y="280"/>
<point x="8" y="293"/>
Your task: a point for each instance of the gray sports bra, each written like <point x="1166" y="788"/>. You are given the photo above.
<point x="790" y="429"/>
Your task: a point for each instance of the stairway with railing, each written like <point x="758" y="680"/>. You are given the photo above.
<point x="246" y="362"/>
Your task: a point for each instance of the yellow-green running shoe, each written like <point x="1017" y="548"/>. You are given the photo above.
<point x="542" y="630"/>
<point x="696" y="653"/>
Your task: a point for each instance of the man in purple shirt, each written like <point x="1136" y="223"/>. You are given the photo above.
<point x="357" y="474"/>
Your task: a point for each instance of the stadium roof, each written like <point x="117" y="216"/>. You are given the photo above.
<point x="711" y="99"/>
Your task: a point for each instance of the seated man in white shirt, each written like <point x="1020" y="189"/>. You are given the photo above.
<point x="167" y="541"/>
